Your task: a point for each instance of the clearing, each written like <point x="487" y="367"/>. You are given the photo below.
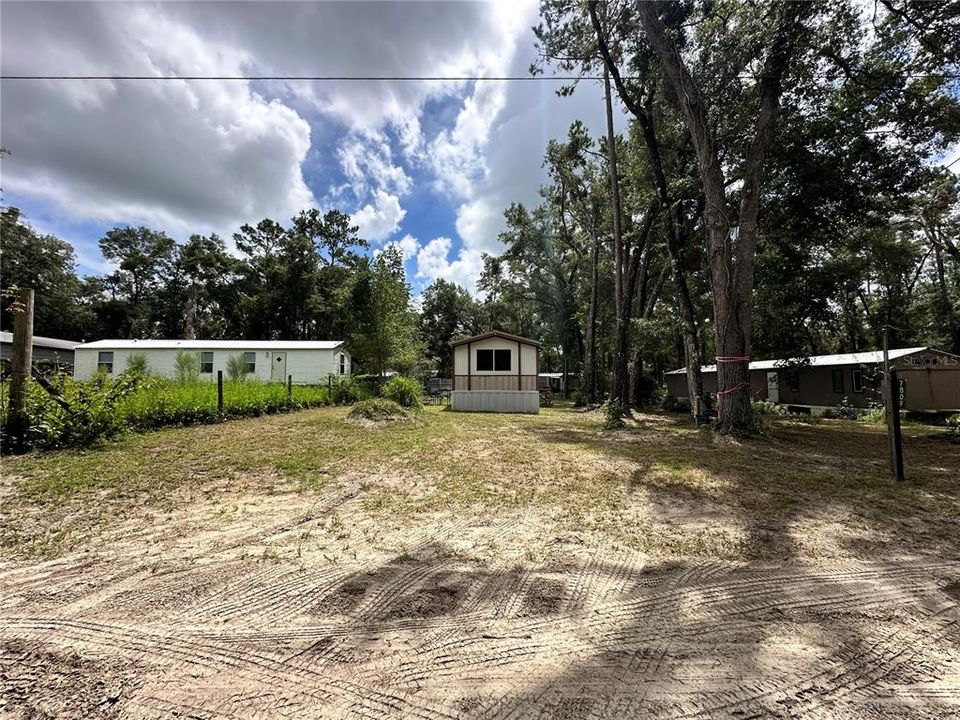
<point x="482" y="566"/>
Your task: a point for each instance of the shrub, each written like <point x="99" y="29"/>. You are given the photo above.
<point x="404" y="391"/>
<point x="578" y="399"/>
<point x="671" y="403"/>
<point x="344" y="391"/>
<point x="844" y="410"/>
<point x="378" y="410"/>
<point x="186" y="367"/>
<point x="876" y="414"/>
<point x="236" y="368"/>
<point x="953" y="428"/>
<point x="137" y="364"/>
<point x="613" y="414"/>
<point x="765" y="407"/>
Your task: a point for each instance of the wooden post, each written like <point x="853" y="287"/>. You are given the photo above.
<point x="219" y="392"/>
<point x="289" y="388"/>
<point x="469" y="363"/>
<point x="519" y="376"/>
<point x="891" y="403"/>
<point x="21" y="362"/>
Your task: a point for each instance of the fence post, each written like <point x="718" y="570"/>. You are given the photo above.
<point x="289" y="389"/>
<point x="21" y="362"/>
<point x="220" y="392"/>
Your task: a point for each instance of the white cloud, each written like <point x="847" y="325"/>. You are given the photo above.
<point x="367" y="161"/>
<point x="434" y="261"/>
<point x="379" y="220"/>
<point x="177" y="155"/>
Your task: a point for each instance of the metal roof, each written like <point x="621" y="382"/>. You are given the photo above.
<point x="41" y="341"/>
<point x="496" y="333"/>
<point x="861" y="358"/>
<point x="211" y="345"/>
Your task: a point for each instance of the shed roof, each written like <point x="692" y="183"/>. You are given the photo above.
<point x="861" y="358"/>
<point x="40" y="341"/>
<point x="211" y="345"/>
<point x="496" y="333"/>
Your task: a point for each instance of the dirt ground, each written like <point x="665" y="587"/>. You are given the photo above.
<point x="251" y="597"/>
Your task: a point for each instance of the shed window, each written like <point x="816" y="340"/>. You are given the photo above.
<point x="484" y="359"/>
<point x="206" y="362"/>
<point x="501" y="360"/>
<point x="105" y="361"/>
<point x="856" y="380"/>
<point x="343" y="364"/>
<point x="793" y="380"/>
<point x="250" y="362"/>
<point x="837" y="380"/>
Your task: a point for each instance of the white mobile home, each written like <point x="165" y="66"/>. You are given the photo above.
<point x="495" y="372"/>
<point x="306" y="361"/>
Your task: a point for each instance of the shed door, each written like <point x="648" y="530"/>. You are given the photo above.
<point x="278" y="370"/>
<point x="773" y="387"/>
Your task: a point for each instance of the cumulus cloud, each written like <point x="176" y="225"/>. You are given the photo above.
<point x="177" y="155"/>
<point x="381" y="218"/>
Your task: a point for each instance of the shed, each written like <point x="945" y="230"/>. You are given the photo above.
<point x="306" y="361"/>
<point x="495" y="372"/>
<point x="930" y="380"/>
<point x="47" y="352"/>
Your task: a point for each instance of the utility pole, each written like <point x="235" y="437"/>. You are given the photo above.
<point x="21" y="362"/>
<point x="891" y="402"/>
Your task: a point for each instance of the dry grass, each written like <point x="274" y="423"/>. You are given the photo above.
<point x="659" y="486"/>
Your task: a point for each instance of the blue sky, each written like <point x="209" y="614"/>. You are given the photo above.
<point x="428" y="165"/>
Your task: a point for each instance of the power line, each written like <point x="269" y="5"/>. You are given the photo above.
<point x="414" y="78"/>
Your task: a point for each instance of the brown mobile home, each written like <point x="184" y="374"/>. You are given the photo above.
<point x="931" y="380"/>
<point x="495" y="372"/>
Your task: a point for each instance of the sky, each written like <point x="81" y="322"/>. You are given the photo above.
<point x="428" y="165"/>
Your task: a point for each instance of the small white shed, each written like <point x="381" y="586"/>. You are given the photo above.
<point x="495" y="372"/>
<point x="307" y="361"/>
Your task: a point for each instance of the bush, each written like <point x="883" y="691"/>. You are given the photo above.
<point x="236" y="368"/>
<point x="186" y="367"/>
<point x="137" y="364"/>
<point x="378" y="410"/>
<point x="953" y="428"/>
<point x="404" y="391"/>
<point x="578" y="399"/>
<point x="344" y="391"/>
<point x="843" y="411"/>
<point x="765" y="407"/>
<point x="675" y="404"/>
<point x="613" y="414"/>
<point x="876" y="414"/>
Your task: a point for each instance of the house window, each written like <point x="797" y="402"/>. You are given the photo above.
<point x="250" y="362"/>
<point x="501" y="360"/>
<point x="206" y="362"/>
<point x="343" y="364"/>
<point x="856" y="380"/>
<point x="484" y="360"/>
<point x="105" y="362"/>
<point x="793" y="380"/>
<point x="837" y="380"/>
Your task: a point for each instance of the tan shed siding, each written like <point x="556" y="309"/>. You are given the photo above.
<point x="460" y="360"/>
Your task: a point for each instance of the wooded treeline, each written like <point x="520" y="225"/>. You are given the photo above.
<point x="773" y="193"/>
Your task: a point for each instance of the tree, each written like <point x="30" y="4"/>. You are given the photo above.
<point x="448" y="312"/>
<point x="384" y="336"/>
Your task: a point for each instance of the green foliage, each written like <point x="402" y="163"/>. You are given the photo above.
<point x="448" y="312"/>
<point x="844" y="410"/>
<point x="613" y="414"/>
<point x="953" y="428"/>
<point x="102" y="409"/>
<point x="378" y="410"/>
<point x="236" y="368"/>
<point x="578" y="399"/>
<point x="186" y="367"/>
<point x="344" y="391"/>
<point x="404" y="391"/>
<point x="75" y="414"/>
<point x="765" y="407"/>
<point x="675" y="404"/>
<point x="875" y="414"/>
<point x="137" y="364"/>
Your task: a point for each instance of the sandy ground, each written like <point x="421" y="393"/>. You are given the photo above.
<point x="299" y="605"/>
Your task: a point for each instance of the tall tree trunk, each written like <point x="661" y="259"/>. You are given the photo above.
<point x="620" y="390"/>
<point x="590" y="389"/>
<point x="731" y="259"/>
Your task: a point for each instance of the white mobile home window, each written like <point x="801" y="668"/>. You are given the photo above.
<point x="206" y="362"/>
<point x="105" y="361"/>
<point x="343" y="364"/>
<point x="856" y="380"/>
<point x="250" y="362"/>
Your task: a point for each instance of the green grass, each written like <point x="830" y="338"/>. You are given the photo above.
<point x="659" y="485"/>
